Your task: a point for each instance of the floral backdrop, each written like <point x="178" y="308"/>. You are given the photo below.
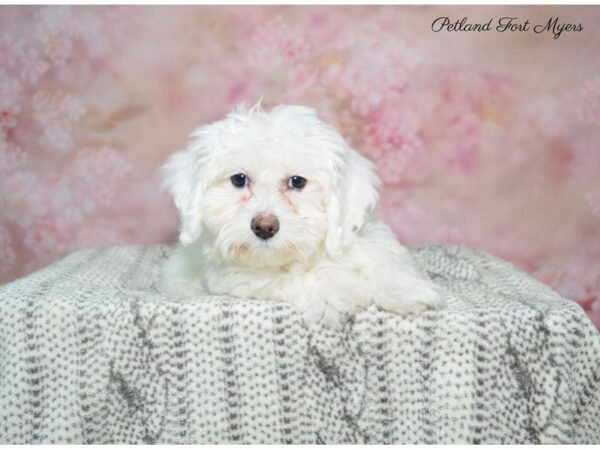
<point x="491" y="140"/>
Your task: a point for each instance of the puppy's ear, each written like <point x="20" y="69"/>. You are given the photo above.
<point x="184" y="178"/>
<point x="355" y="194"/>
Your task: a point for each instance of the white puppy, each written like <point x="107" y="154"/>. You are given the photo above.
<point x="278" y="206"/>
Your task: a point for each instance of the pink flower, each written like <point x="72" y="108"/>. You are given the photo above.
<point x="56" y="29"/>
<point x="56" y="113"/>
<point x="11" y="51"/>
<point x="465" y="159"/>
<point x="55" y="137"/>
<point x="392" y="140"/>
<point x="585" y="164"/>
<point x="18" y="188"/>
<point x="69" y="218"/>
<point x="274" y="43"/>
<point x="265" y="43"/>
<point x="57" y="107"/>
<point x="392" y="165"/>
<point x="7" y="253"/>
<point x="58" y="49"/>
<point x="37" y="204"/>
<point x="407" y="219"/>
<point x="72" y="107"/>
<point x="98" y="173"/>
<point x="294" y="49"/>
<point x="378" y="71"/>
<point x="11" y="97"/>
<point x="415" y="226"/>
<point x="588" y="109"/>
<point x="331" y="80"/>
<point x="545" y="114"/>
<point x="11" y="157"/>
<point x="56" y="19"/>
<point x="300" y="80"/>
<point x="60" y="194"/>
<point x="32" y="66"/>
<point x="392" y="128"/>
<point x="89" y="27"/>
<point x="43" y="240"/>
<point x="593" y="199"/>
<point x="20" y="185"/>
<point x="469" y="91"/>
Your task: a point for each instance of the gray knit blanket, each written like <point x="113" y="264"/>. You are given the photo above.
<point x="92" y="352"/>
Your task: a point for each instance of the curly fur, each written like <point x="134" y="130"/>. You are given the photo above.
<point x="331" y="256"/>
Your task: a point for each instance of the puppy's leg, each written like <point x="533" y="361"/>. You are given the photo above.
<point x="180" y="275"/>
<point x="396" y="283"/>
<point x="330" y="295"/>
<point x="401" y="288"/>
<point x="403" y="291"/>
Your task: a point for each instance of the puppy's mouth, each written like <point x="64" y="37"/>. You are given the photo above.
<point x="264" y="254"/>
<point x="238" y="251"/>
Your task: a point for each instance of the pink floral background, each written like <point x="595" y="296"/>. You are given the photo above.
<point x="491" y="140"/>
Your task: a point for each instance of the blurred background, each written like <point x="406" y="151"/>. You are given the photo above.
<point x="490" y="140"/>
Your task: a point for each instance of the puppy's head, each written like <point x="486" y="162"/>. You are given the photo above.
<point x="271" y="188"/>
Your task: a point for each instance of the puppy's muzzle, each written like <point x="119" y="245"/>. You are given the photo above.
<point x="265" y="226"/>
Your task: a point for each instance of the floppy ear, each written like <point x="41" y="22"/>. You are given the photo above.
<point x="184" y="178"/>
<point x="354" y="197"/>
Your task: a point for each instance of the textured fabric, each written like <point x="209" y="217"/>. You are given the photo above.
<point x="91" y="352"/>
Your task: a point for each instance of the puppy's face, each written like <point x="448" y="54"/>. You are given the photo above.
<point x="270" y="189"/>
<point x="266" y="206"/>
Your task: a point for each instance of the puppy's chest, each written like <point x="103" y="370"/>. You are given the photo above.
<point x="245" y="284"/>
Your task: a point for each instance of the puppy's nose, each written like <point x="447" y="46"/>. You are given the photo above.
<point x="265" y="226"/>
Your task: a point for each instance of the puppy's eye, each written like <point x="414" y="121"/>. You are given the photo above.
<point x="239" y="180"/>
<point x="296" y="182"/>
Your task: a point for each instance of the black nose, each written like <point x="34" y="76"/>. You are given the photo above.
<point x="265" y="226"/>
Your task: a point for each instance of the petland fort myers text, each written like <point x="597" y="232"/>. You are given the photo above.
<point x="506" y="24"/>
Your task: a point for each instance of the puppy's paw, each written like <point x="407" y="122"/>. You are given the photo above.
<point x="411" y="297"/>
<point x="322" y="312"/>
<point x="334" y="301"/>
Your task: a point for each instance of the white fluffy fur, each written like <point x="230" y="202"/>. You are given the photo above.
<point x="331" y="257"/>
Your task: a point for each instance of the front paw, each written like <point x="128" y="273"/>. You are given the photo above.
<point x="333" y="302"/>
<point x="322" y="312"/>
<point x="411" y="297"/>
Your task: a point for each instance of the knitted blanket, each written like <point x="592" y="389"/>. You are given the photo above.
<point x="92" y="352"/>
